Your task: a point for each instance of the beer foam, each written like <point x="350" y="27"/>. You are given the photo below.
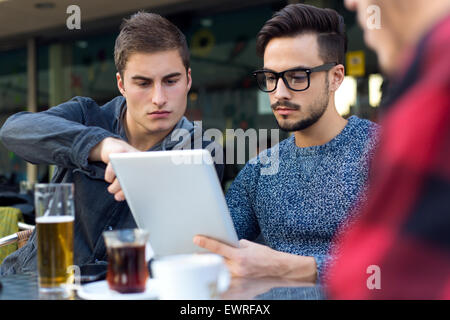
<point x="54" y="219"/>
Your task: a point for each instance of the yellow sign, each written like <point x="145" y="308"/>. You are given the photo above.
<point x="356" y="63"/>
<point x="202" y="42"/>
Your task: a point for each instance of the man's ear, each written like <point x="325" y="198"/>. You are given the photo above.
<point x="120" y="84"/>
<point x="336" y="77"/>
<point x="189" y="79"/>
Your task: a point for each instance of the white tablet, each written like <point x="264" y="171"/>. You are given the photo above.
<point x="175" y="195"/>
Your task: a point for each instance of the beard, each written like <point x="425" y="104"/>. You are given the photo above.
<point x="318" y="108"/>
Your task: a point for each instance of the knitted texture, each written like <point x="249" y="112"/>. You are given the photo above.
<point x="298" y="199"/>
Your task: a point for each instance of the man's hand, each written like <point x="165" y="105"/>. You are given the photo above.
<point x="107" y="146"/>
<point x="255" y="260"/>
<point x="101" y="152"/>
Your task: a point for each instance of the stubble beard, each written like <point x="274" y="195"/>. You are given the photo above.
<point x="318" y="108"/>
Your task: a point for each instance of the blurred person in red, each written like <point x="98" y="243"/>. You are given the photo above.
<point x="399" y="247"/>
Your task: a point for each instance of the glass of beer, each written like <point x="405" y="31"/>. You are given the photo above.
<point x="55" y="215"/>
<point x="127" y="264"/>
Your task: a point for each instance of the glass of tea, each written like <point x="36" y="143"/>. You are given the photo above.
<point x="127" y="265"/>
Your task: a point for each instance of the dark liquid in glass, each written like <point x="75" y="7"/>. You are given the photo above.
<point x="127" y="269"/>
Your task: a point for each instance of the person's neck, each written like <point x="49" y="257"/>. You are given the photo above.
<point x="323" y="131"/>
<point x="142" y="139"/>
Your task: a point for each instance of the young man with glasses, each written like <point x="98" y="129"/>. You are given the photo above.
<point x="323" y="166"/>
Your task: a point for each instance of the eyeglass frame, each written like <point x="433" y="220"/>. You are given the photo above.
<point x="323" y="67"/>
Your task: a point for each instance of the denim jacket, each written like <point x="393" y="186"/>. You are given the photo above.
<point x="64" y="136"/>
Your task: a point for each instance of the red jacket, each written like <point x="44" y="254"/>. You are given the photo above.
<point x="399" y="248"/>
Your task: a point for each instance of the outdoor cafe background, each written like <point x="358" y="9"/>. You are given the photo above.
<point x="43" y="63"/>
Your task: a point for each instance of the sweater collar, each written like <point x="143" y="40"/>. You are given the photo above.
<point x="343" y="136"/>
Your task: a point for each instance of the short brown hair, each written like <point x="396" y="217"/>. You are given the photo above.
<point x="296" y="19"/>
<point x="148" y="32"/>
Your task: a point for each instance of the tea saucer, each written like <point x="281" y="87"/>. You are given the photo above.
<point x="99" y="290"/>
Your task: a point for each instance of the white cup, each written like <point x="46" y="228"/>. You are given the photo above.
<point x="191" y="276"/>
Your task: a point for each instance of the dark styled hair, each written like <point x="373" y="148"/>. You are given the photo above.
<point x="296" y="19"/>
<point x="148" y="32"/>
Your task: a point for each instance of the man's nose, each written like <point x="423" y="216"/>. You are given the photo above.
<point x="282" y="92"/>
<point x="159" y="97"/>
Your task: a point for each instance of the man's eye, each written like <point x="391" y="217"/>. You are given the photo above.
<point x="172" y="81"/>
<point x="143" y="84"/>
<point x="297" y="78"/>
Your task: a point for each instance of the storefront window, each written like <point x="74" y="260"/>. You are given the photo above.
<point x="13" y="98"/>
<point x="224" y="95"/>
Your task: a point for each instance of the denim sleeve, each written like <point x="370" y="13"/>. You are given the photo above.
<point x="57" y="136"/>
<point x="240" y="199"/>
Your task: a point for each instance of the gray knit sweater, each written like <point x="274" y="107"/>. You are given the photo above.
<point x="298" y="200"/>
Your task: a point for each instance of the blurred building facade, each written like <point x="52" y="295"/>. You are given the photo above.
<point x="44" y="63"/>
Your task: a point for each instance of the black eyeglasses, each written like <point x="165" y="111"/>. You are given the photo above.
<point x="296" y="79"/>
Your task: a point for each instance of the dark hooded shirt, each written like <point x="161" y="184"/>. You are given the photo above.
<point x="64" y="136"/>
